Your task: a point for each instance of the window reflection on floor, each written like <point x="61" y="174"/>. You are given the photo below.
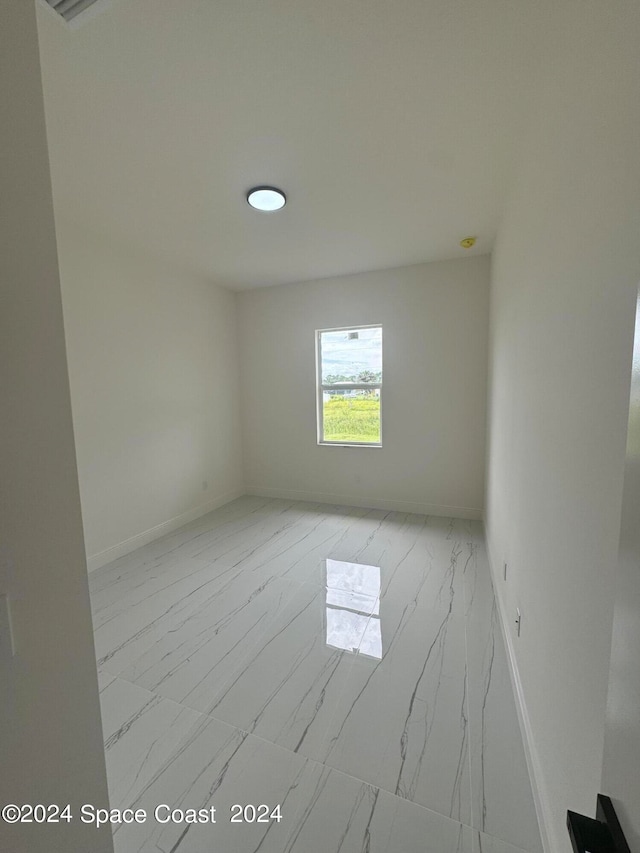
<point x="353" y="608"/>
<point x="371" y="643"/>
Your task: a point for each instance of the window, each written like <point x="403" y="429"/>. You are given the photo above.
<point x="350" y="385"/>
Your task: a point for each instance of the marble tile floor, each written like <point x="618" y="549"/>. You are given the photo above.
<point x="344" y="663"/>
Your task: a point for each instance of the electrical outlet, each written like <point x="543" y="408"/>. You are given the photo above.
<point x="505" y="572"/>
<point x="518" y="621"/>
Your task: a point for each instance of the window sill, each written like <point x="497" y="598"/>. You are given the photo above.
<point x="347" y="444"/>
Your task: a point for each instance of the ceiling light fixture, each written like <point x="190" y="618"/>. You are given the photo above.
<point x="266" y="198"/>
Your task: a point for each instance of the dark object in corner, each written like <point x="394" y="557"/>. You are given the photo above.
<point x="600" y="835"/>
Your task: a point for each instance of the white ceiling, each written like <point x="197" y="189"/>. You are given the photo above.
<point x="392" y="125"/>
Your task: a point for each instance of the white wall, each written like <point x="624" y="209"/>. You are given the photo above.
<point x="434" y="319"/>
<point x="154" y="390"/>
<point x="50" y="732"/>
<point x="564" y="278"/>
<point x="621" y="763"/>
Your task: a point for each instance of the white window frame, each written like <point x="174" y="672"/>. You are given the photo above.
<point x="346" y="386"/>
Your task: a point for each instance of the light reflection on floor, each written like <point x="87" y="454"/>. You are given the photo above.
<point x="353" y="608"/>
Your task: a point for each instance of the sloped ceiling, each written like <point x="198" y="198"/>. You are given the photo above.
<point x="394" y="128"/>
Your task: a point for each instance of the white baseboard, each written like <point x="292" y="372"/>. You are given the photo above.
<point x="368" y="502"/>
<point x="95" y="561"/>
<point x="551" y="843"/>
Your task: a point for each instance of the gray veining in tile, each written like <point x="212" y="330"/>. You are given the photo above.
<point x="287" y="688"/>
<point x="340" y="813"/>
<point x="502" y="798"/>
<point x="344" y="662"/>
<point x="200" y="653"/>
<point x="401" y="723"/>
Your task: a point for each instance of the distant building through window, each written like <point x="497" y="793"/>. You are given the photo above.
<point x="350" y="385"/>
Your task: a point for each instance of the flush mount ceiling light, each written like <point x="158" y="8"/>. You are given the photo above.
<point x="266" y="198"/>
